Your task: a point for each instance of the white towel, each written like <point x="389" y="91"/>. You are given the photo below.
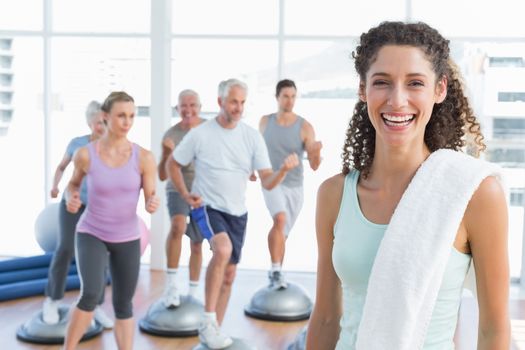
<point x="411" y="260"/>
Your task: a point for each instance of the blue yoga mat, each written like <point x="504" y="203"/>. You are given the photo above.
<point x="29" y="274"/>
<point x="26" y="263"/>
<point x="33" y="287"/>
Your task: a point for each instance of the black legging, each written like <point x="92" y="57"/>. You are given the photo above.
<point x="61" y="262"/>
<point x="124" y="263"/>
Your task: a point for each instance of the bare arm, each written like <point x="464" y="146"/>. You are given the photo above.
<point x="486" y="223"/>
<point x="167" y="148"/>
<point x="311" y="146"/>
<point x="72" y="194"/>
<point x="262" y="126"/>
<point x="175" y="174"/>
<point x="262" y="123"/>
<point x="323" y="329"/>
<point x="59" y="172"/>
<point x="149" y="176"/>
<point x="270" y="179"/>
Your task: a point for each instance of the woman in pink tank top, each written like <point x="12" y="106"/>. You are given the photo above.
<point x="116" y="170"/>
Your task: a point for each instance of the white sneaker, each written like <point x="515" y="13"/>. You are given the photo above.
<point x="171" y="297"/>
<point x="277" y="281"/>
<point x="102" y="318"/>
<point x="50" y="313"/>
<point x="210" y="335"/>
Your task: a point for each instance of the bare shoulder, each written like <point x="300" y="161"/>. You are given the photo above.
<point x="329" y="198"/>
<point x="307" y="131"/>
<point x="81" y="159"/>
<point x="489" y="193"/>
<point x="145" y="155"/>
<point x="331" y="190"/>
<point x="306" y="125"/>
<point x="263" y="122"/>
<point x="81" y="156"/>
<point x="487" y="208"/>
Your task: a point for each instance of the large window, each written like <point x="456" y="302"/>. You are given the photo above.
<point x="22" y="15"/>
<point x="101" y="65"/>
<point x="339" y="17"/>
<point x="95" y="16"/>
<point x="509" y="128"/>
<point x="230" y="17"/>
<point x="472" y="18"/>
<point x="21" y="143"/>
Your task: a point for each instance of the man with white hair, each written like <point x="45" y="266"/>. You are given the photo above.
<point x="225" y="152"/>
<point x="188" y="107"/>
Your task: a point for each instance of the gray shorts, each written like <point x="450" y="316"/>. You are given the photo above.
<point x="285" y="199"/>
<point x="178" y="206"/>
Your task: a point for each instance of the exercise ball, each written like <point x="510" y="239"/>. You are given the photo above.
<point x="46" y="227"/>
<point x="144" y="235"/>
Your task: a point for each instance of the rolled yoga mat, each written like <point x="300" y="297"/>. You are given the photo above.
<point x="32" y="287"/>
<point x="29" y="274"/>
<point x="26" y="263"/>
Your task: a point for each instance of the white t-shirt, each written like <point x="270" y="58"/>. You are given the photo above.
<point x="224" y="159"/>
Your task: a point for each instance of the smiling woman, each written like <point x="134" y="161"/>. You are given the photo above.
<point x="410" y="210"/>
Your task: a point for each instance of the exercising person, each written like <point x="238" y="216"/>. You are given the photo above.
<point x="286" y="132"/>
<point x="64" y="252"/>
<point x="116" y="170"/>
<point x="189" y="107"/>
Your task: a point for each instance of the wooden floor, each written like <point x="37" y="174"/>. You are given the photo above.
<point x="263" y="334"/>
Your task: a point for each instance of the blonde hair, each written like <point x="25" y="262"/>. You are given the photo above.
<point x="115" y="96"/>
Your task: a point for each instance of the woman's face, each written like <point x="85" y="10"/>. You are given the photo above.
<point x="400" y="91"/>
<point x="120" y="118"/>
<point x="97" y="124"/>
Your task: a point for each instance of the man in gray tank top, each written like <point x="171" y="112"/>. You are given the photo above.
<point x="285" y="132"/>
<point x="188" y="107"/>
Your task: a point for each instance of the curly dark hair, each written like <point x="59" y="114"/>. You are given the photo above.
<point x="452" y="124"/>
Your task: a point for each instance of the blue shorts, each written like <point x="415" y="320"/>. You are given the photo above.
<point x="212" y="221"/>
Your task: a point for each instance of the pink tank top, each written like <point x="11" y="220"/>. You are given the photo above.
<point x="111" y="213"/>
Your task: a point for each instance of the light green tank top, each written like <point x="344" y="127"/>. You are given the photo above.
<point x="356" y="241"/>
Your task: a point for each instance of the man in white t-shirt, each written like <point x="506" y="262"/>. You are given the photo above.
<point x="225" y="151"/>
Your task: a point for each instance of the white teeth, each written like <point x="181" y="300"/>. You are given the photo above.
<point x="389" y="123"/>
<point x="398" y="118"/>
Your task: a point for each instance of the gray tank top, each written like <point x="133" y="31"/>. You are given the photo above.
<point x="281" y="141"/>
<point x="176" y="134"/>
